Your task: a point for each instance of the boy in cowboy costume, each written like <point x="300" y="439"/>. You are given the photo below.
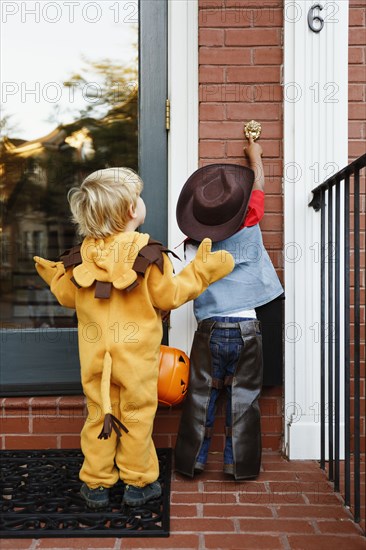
<point x="119" y="281"/>
<point x="225" y="202"/>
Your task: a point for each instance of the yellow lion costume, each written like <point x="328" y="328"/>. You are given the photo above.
<point x="119" y="285"/>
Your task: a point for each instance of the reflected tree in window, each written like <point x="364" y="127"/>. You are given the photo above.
<point x="36" y="176"/>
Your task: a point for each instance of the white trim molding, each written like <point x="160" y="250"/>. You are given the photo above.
<point x="315" y="146"/>
<point x="182" y="137"/>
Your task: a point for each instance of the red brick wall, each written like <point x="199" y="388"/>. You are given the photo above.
<point x="357" y="147"/>
<point x="41" y="422"/>
<point x="56" y="422"/>
<point x="357" y="79"/>
<point x="240" y="62"/>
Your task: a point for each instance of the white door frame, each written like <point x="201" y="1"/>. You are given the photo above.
<point x="183" y="136"/>
<point x="315" y="146"/>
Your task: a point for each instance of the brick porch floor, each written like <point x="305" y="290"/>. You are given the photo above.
<point x="291" y="506"/>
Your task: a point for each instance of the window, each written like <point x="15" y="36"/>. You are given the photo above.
<point x="86" y="104"/>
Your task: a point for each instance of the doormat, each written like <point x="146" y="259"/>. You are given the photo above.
<point x="40" y="498"/>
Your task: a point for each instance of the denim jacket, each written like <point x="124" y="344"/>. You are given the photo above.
<point x="252" y="283"/>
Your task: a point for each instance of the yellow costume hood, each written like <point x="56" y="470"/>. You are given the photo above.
<point x="109" y="261"/>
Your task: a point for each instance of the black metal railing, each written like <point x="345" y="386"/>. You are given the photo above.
<point x="341" y="201"/>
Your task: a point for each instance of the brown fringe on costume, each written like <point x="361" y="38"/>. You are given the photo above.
<point x="111" y="422"/>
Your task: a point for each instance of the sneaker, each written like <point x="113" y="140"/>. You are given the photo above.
<point x="95" y="498"/>
<point x="136" y="496"/>
<point x="229" y="469"/>
<point x="199" y="467"/>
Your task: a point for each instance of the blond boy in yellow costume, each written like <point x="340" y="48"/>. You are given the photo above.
<point x="119" y="282"/>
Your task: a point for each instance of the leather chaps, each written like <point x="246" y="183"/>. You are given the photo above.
<point x="246" y="388"/>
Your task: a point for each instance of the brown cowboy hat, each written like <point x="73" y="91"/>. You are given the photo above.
<point x="213" y="201"/>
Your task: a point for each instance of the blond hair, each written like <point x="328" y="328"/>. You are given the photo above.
<point x="100" y="205"/>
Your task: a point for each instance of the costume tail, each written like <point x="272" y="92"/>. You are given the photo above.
<point x="110" y="421"/>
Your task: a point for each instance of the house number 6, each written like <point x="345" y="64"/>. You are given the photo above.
<point x="315" y="17"/>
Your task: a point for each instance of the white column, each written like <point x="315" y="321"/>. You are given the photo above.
<point x="315" y="146"/>
<point x="183" y="136"/>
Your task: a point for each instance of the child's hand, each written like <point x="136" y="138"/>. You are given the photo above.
<point x="253" y="151"/>
<point x="44" y="263"/>
<point x="214" y="265"/>
<point x="48" y="269"/>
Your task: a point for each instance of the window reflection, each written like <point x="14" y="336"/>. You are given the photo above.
<point x="98" y="132"/>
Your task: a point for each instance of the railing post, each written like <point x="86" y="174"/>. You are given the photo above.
<point x="357" y="343"/>
<point x="347" y="373"/>
<point x="322" y="330"/>
<point x="330" y="331"/>
<point x="337" y="349"/>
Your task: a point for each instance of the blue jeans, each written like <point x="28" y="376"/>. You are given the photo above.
<point x="226" y="346"/>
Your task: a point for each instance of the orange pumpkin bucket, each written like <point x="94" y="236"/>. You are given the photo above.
<point x="173" y="376"/>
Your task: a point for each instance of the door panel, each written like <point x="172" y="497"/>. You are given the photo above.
<point x="153" y="149"/>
